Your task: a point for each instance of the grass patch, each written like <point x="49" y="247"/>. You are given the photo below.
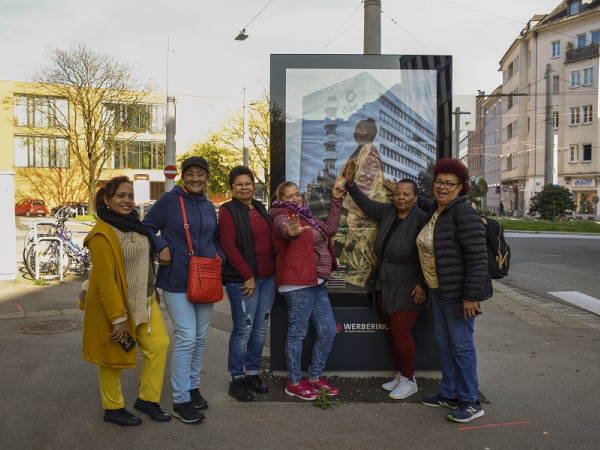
<point x="575" y="226"/>
<point x="84" y="219"/>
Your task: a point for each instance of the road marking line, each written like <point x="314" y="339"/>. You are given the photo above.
<point x="493" y="425"/>
<point x="586" y="302"/>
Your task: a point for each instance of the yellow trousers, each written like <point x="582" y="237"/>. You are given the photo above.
<point x="154" y="346"/>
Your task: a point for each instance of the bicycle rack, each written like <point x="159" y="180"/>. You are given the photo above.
<point x="60" y="258"/>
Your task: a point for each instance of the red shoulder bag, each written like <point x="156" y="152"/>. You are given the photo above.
<point x="204" y="276"/>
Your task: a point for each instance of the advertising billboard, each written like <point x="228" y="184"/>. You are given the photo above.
<point x="392" y="115"/>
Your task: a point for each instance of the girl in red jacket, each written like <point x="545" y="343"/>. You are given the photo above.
<point x="304" y="261"/>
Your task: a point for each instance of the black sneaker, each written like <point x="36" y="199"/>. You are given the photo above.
<point x="255" y="384"/>
<point x="239" y="390"/>
<point x="152" y="409"/>
<point x="121" y="417"/>
<point x="197" y="400"/>
<point x="439" y="400"/>
<point x="187" y="413"/>
<point x="466" y="412"/>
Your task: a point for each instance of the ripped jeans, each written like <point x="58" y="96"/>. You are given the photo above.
<point x="250" y="319"/>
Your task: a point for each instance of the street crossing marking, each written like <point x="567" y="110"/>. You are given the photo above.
<point x="583" y="301"/>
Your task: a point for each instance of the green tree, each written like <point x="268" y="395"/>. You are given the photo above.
<point x="551" y="203"/>
<point x="478" y="191"/>
<point x="221" y="159"/>
<point x="231" y="135"/>
<point x="104" y="100"/>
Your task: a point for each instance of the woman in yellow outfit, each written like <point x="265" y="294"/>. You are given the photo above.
<point x="121" y="306"/>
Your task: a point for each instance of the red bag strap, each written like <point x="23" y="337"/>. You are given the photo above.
<point x="187" y="230"/>
<point x="187" y="227"/>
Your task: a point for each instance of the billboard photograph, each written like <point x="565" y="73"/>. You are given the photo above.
<point x="384" y="112"/>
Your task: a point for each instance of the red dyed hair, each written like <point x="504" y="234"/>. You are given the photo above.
<point x="454" y="167"/>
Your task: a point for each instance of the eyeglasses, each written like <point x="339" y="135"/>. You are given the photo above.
<point x="446" y="184"/>
<point x="241" y="185"/>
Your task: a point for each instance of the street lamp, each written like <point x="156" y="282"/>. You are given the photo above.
<point x="242" y="36"/>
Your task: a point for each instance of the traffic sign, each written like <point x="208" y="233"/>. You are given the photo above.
<point x="170" y="172"/>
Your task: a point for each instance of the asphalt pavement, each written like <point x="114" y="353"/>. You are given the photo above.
<point x="538" y="361"/>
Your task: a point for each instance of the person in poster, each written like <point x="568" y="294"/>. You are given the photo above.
<point x="357" y="253"/>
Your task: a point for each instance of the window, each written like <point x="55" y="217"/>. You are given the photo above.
<point x="586" y="153"/>
<point x="574" y="7"/>
<point x="510" y="70"/>
<point x="510" y="101"/>
<point x="574" y="116"/>
<point x="555" y="49"/>
<point x="575" y="79"/>
<point x="595" y="37"/>
<point x="555" y="84"/>
<point x="581" y="40"/>
<point x="40" y="111"/>
<point x="140" y="118"/>
<point x="148" y="155"/>
<point x="41" y="151"/>
<point x="555" y="120"/>
<point x="588" y="76"/>
<point x="529" y="58"/>
<point x="573" y="153"/>
<point x="528" y="125"/>
<point x="587" y="114"/>
<point x="528" y="91"/>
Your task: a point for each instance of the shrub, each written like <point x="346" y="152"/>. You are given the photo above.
<point x="551" y="203"/>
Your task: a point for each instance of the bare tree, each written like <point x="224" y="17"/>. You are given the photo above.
<point x="105" y="102"/>
<point x="259" y="137"/>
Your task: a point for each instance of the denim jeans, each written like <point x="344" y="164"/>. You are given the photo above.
<point x="250" y="319"/>
<point x="304" y="305"/>
<point x="190" y="325"/>
<point x="458" y="357"/>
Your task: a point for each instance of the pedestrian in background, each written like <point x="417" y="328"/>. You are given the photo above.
<point x="121" y="309"/>
<point x="454" y="259"/>
<point x="249" y="277"/>
<point x="303" y="262"/>
<point x="190" y="320"/>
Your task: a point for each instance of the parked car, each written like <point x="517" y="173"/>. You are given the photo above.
<point x="79" y="208"/>
<point x="31" y="206"/>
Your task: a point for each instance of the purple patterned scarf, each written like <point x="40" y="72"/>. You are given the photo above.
<point x="304" y="212"/>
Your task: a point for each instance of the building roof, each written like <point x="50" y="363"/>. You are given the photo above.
<point x="558" y="16"/>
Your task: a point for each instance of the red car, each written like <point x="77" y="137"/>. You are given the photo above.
<point x="31" y="206"/>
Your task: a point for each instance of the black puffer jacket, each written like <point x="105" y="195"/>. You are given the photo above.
<point x="460" y="252"/>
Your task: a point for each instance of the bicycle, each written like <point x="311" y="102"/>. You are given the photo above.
<point x="47" y="252"/>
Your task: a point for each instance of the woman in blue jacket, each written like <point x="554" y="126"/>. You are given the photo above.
<point x="190" y="320"/>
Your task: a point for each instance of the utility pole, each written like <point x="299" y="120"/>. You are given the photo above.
<point x="170" y="149"/>
<point x="457" y="114"/>
<point x="246" y="132"/>
<point x="549" y="139"/>
<point x="372" y="30"/>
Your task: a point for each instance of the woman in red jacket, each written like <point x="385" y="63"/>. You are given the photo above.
<point x="304" y="261"/>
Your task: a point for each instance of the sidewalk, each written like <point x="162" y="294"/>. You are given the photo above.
<point x="538" y="367"/>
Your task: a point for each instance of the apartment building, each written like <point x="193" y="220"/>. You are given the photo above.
<point x="35" y="146"/>
<point x="568" y="38"/>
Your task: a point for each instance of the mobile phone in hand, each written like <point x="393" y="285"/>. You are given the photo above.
<point x="128" y="343"/>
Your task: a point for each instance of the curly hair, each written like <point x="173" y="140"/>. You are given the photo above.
<point x="454" y="167"/>
<point x="109" y="190"/>
<point x="237" y="171"/>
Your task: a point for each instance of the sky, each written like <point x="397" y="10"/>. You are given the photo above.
<point x="208" y="69"/>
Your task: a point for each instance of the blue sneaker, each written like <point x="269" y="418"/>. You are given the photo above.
<point x="466" y="412"/>
<point x="439" y="400"/>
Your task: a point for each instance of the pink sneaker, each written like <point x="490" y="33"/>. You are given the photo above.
<point x="323" y="383"/>
<point x="301" y="390"/>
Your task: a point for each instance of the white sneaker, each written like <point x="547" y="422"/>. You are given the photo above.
<point x="405" y="388"/>
<point x="391" y="385"/>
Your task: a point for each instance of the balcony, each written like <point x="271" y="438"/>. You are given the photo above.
<point x="589" y="51"/>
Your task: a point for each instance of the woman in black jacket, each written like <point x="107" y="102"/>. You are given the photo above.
<point x="398" y="277"/>
<point x="453" y="257"/>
